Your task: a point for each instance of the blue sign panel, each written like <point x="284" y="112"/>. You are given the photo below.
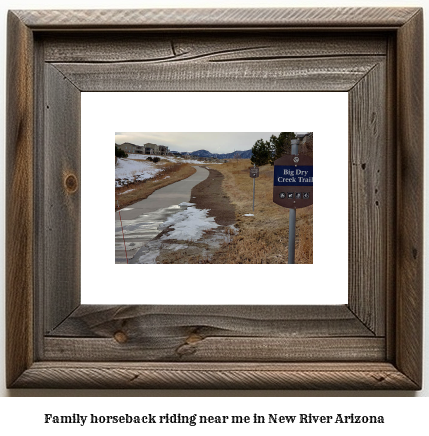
<point x="293" y="175"/>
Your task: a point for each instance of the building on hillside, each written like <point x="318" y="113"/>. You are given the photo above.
<point x="155" y="149"/>
<point x="163" y="149"/>
<point x="148" y="148"/>
<point x="128" y="147"/>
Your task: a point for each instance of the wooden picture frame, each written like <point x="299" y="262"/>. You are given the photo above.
<point x="373" y="342"/>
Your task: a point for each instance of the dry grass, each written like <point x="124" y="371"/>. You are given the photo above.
<point x="262" y="238"/>
<point x="141" y="190"/>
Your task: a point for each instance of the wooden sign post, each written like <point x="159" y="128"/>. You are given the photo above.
<point x="293" y="188"/>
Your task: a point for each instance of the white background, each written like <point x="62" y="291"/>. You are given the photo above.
<point x="404" y="414"/>
<point x="323" y="113"/>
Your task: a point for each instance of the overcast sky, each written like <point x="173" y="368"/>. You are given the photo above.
<point x="213" y="142"/>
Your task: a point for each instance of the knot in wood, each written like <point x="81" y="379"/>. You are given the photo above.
<point x="71" y="183"/>
<point x="120" y="337"/>
<point x="193" y="338"/>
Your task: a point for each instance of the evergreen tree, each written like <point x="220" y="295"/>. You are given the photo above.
<point x="264" y="152"/>
<point x="261" y="153"/>
<point x="119" y="152"/>
<point x="280" y="145"/>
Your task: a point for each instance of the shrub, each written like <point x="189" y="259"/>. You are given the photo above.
<point x="120" y="153"/>
<point x="156" y="159"/>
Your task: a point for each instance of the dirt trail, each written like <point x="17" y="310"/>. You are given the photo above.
<point x="209" y="195"/>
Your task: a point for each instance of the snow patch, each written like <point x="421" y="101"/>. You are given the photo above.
<point x="149" y="257"/>
<point x="174" y="159"/>
<point x="174" y="247"/>
<point x="189" y="225"/>
<point x="129" y="190"/>
<point x="128" y="171"/>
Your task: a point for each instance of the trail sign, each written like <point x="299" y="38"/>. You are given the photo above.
<point x="254" y="172"/>
<point x="293" y="181"/>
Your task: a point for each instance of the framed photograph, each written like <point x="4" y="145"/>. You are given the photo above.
<point x="373" y="341"/>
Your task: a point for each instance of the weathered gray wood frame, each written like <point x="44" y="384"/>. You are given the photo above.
<point x="374" y="342"/>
